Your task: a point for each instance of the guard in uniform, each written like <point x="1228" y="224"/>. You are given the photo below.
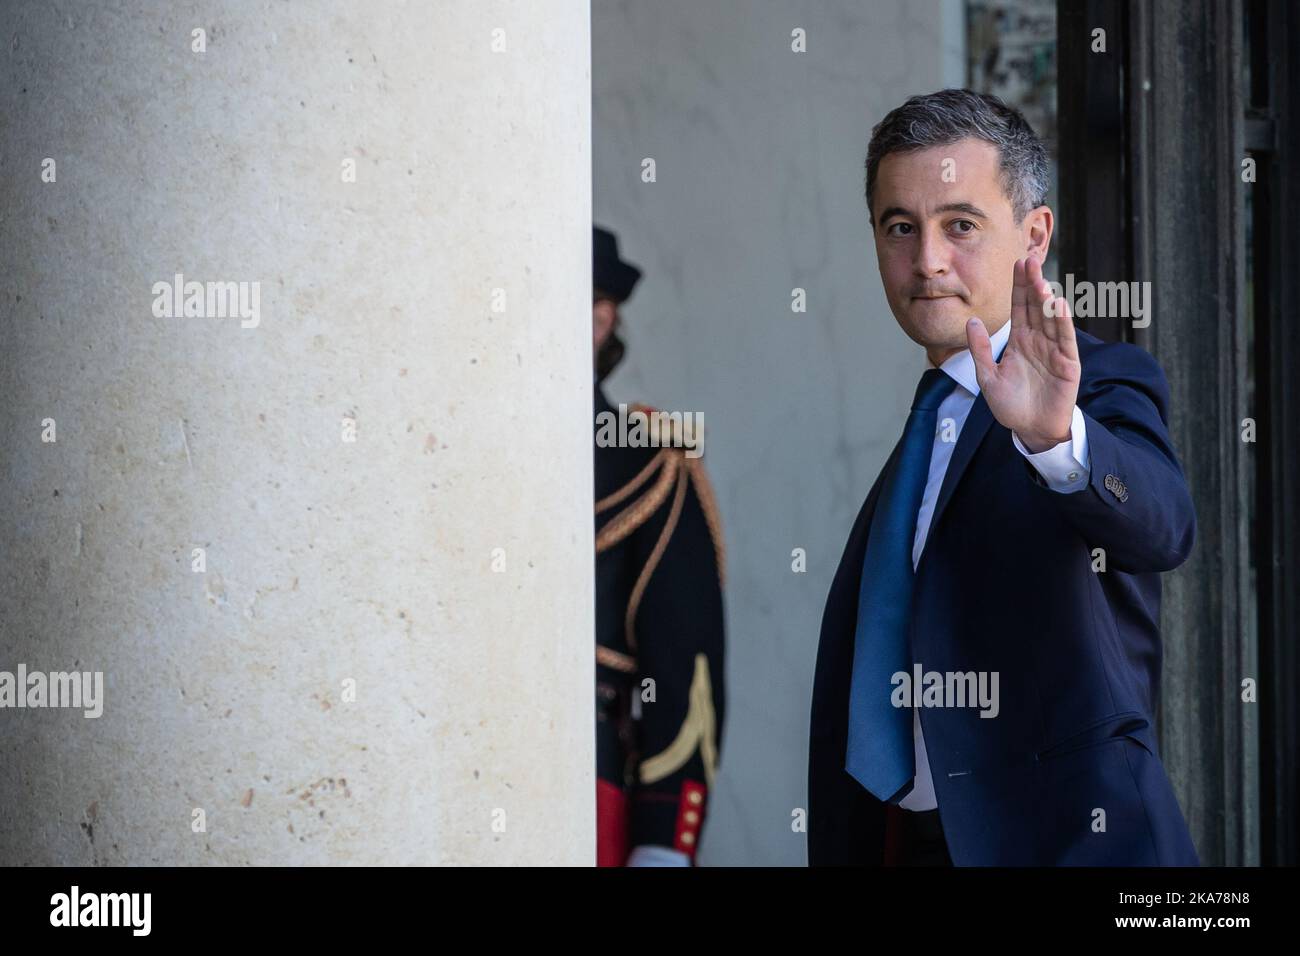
<point x="659" y="623"/>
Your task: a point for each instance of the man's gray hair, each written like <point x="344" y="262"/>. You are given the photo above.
<point x="943" y="118"/>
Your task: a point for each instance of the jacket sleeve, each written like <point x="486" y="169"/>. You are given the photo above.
<point x="1136" y="505"/>
<point x="679" y="687"/>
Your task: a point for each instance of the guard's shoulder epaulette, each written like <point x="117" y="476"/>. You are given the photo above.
<point x="669" y="429"/>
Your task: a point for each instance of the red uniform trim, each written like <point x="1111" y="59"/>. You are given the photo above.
<point x="690" y="817"/>
<point x="611" y="824"/>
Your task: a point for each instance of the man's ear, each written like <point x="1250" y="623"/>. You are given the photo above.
<point x="1038" y="236"/>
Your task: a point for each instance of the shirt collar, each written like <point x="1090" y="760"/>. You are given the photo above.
<point x="961" y="367"/>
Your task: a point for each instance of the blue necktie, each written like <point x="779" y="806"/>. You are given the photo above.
<point x="881" y="753"/>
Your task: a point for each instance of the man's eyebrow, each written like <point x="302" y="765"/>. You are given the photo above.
<point x="969" y="208"/>
<point x="895" y="211"/>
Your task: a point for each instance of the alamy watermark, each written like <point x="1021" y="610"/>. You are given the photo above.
<point x="946" y="689"/>
<point x="651" y="428"/>
<point x="82" y="690"/>
<point x="208" y="300"/>
<point x="76" y="908"/>
<point x="1101" y="300"/>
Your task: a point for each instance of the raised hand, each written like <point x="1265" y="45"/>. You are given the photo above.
<point x="1032" y="390"/>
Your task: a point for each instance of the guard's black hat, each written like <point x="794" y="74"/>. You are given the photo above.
<point x="608" y="271"/>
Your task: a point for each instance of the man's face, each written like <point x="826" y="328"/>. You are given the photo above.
<point x="947" y="249"/>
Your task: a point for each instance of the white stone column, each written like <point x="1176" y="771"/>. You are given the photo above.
<point x="403" y="192"/>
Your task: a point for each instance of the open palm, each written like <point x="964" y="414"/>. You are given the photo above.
<point x="1032" y="390"/>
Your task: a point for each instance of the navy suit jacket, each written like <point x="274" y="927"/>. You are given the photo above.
<point x="1068" y="772"/>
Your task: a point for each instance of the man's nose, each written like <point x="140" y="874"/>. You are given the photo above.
<point x="931" y="254"/>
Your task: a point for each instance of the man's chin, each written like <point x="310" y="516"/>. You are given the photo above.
<point x="939" y="322"/>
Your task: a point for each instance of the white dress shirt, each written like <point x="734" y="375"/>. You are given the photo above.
<point x="1065" y="468"/>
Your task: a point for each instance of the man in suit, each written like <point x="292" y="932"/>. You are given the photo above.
<point x="989" y="665"/>
<point x="660" y="701"/>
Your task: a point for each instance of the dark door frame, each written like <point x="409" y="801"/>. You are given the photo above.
<point x="1152" y="135"/>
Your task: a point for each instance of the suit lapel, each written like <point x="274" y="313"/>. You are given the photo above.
<point x="972" y="434"/>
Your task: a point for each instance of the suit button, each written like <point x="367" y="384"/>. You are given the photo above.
<point x="1074" y="476"/>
